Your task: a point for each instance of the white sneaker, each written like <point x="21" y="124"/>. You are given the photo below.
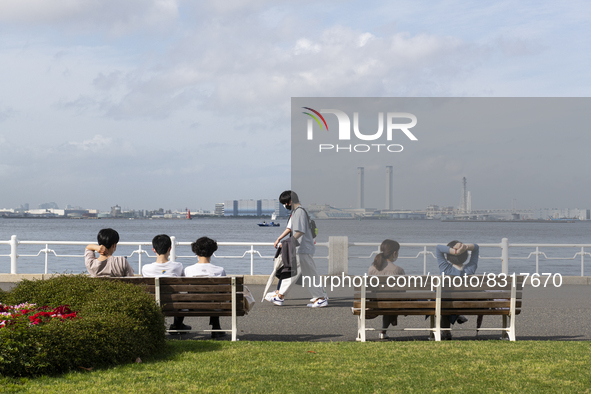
<point x="319" y="303"/>
<point x="276" y="300"/>
<point x="384" y="335"/>
<point x="314" y="299"/>
<point x="269" y="296"/>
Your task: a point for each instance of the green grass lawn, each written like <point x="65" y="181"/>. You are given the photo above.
<point x="455" y="366"/>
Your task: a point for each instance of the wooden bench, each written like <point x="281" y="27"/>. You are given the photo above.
<point x="415" y="297"/>
<point x="197" y="296"/>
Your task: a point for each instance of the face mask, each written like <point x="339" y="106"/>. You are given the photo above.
<point x="288" y="206"/>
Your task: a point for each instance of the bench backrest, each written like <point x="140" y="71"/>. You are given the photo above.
<point x="195" y="296"/>
<point x="391" y="295"/>
<point x="413" y="295"/>
<point x="481" y="295"/>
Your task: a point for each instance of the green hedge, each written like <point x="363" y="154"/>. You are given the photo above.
<point x="117" y="322"/>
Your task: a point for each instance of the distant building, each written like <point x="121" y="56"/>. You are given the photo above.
<point x="267" y="207"/>
<point x="231" y="208"/>
<point x="313" y="208"/>
<point x="116" y="211"/>
<point x="248" y="208"/>
<point x="280" y="210"/>
<point x="48" y="205"/>
<point x="219" y="209"/>
<point x="564" y="213"/>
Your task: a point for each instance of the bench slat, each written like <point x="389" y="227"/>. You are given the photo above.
<point x="200" y="305"/>
<point x="203" y="313"/>
<point x="165" y="298"/>
<point x="397" y="295"/>
<point x="396" y="304"/>
<point x="478" y="304"/>
<point x="397" y="312"/>
<point x="196" y="280"/>
<point x="167" y="289"/>
<point x="478" y="311"/>
<point x="480" y="295"/>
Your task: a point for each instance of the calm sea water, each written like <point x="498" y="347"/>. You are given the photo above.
<point x="556" y="260"/>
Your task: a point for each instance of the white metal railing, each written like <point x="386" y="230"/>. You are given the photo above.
<point x="250" y="252"/>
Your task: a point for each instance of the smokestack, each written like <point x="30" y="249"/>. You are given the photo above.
<point x="361" y="186"/>
<point x="389" y="188"/>
<point x="464" y="205"/>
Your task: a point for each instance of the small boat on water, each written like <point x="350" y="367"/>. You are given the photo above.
<point x="270" y="224"/>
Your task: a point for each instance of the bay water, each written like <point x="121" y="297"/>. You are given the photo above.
<point x="555" y="260"/>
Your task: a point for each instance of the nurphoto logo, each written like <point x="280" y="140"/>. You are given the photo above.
<point x="344" y="130"/>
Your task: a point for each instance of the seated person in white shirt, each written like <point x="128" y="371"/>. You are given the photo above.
<point x="204" y="248"/>
<point x="161" y="245"/>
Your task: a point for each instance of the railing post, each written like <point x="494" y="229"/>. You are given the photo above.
<point x="505" y="256"/>
<point x="252" y="259"/>
<point x="582" y="261"/>
<point x="424" y="260"/>
<point x="173" y="249"/>
<point x="46" y="256"/>
<point x="537" y="259"/>
<point x="338" y="255"/>
<point x="13" y="254"/>
<point x="140" y="252"/>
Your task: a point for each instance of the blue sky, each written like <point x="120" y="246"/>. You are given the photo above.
<point x="176" y="104"/>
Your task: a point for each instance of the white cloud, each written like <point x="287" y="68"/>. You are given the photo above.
<point x="97" y="144"/>
<point x="303" y="46"/>
<point x="260" y="73"/>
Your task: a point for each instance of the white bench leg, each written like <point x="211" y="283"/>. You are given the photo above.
<point x="432" y="327"/>
<point x="505" y="334"/>
<point x="234" y="323"/>
<point x="361" y="329"/>
<point x="512" y="328"/>
<point x="438" y="315"/>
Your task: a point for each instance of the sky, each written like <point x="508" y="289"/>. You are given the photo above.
<point x="174" y="104"/>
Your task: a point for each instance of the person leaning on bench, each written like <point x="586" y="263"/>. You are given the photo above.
<point x="383" y="264"/>
<point x="106" y="264"/>
<point x="162" y="245"/>
<point x="204" y="248"/>
<point x="451" y="259"/>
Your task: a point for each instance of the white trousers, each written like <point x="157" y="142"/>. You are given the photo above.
<point x="306" y="267"/>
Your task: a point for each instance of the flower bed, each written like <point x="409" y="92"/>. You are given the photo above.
<point x="83" y="323"/>
<point x="13" y="314"/>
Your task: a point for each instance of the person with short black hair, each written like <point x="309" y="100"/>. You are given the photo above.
<point x="451" y="258"/>
<point x="204" y="248"/>
<point x="300" y="228"/>
<point x="162" y="245"/>
<point x="106" y="264"/>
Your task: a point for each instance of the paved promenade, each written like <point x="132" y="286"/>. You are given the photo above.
<point x="558" y="314"/>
